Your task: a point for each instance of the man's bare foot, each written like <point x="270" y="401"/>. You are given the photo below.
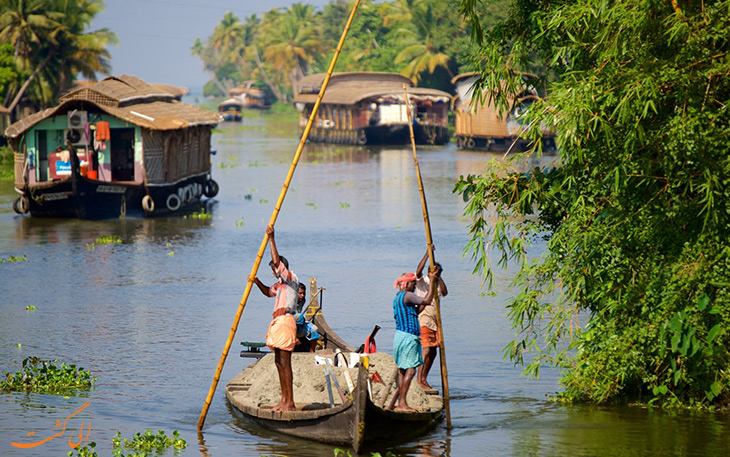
<point x="287" y="407"/>
<point x="424" y="386"/>
<point x="405" y="409"/>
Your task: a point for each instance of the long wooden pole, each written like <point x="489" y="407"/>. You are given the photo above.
<point x="272" y="221"/>
<point x="429" y="241"/>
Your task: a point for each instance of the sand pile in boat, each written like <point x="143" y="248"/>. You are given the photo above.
<point x="310" y="384"/>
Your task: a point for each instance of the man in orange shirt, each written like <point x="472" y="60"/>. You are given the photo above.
<point x="282" y="334"/>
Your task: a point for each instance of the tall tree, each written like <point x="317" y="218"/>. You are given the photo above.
<point x="415" y="22"/>
<point x="635" y="217"/>
<point x="52" y="34"/>
<point x="291" y="41"/>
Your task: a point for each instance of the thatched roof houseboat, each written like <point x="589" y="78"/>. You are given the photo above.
<point x="116" y="147"/>
<point x="250" y="96"/>
<point x="482" y="127"/>
<point x="369" y="108"/>
<point x="231" y="110"/>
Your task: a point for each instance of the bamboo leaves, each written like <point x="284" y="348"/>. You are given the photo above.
<point x="635" y="218"/>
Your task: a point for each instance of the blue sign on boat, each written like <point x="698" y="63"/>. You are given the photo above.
<point x="63" y="168"/>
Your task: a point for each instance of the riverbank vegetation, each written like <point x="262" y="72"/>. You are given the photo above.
<point x="7" y="159"/>
<point x="631" y="298"/>
<point x="426" y="40"/>
<point x="46" y="46"/>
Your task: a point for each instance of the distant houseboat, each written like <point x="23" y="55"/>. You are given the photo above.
<point x="230" y="110"/>
<point x="251" y="97"/>
<point x="369" y="108"/>
<point x="116" y="147"/>
<point x="481" y="126"/>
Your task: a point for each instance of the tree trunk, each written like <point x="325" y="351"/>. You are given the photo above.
<point x="30" y="79"/>
<point x="271" y="85"/>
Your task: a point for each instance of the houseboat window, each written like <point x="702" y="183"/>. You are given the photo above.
<point x="42" y="142"/>
<point x="122" y="154"/>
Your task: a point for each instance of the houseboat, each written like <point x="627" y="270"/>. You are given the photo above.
<point x="369" y="108"/>
<point x="114" y="148"/>
<point x="250" y="96"/>
<point x="482" y="127"/>
<point x="230" y="110"/>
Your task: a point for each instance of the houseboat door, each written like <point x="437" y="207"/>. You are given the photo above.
<point x="122" y="154"/>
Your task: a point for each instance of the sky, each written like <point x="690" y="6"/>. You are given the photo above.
<point x="155" y="36"/>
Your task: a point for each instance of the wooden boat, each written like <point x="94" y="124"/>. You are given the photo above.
<point x="481" y="126"/>
<point x="230" y="110"/>
<point x="358" y="421"/>
<point x="369" y="108"/>
<point x="113" y="148"/>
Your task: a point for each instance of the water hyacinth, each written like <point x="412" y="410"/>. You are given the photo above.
<point x="48" y="377"/>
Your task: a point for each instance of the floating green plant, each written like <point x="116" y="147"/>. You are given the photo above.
<point x="13" y="258"/>
<point x="48" y="377"/>
<point x="30" y="307"/>
<point x="239" y="222"/>
<point x="199" y="215"/>
<point x="312" y="205"/>
<point x="84" y="451"/>
<point x="344" y="205"/>
<point x="148" y="442"/>
<point x="263" y="200"/>
<point x="108" y="239"/>
<point x="142" y="445"/>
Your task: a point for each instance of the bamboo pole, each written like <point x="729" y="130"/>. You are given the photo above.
<point x="429" y="241"/>
<point x="272" y="221"/>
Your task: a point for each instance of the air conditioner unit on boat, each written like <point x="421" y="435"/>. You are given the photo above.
<point x="75" y="136"/>
<point x="77" y="119"/>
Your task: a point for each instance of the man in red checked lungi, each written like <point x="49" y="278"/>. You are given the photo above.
<point x="282" y="334"/>
<point x="407" y="342"/>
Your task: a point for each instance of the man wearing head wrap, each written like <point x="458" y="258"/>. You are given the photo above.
<point x="427" y="321"/>
<point x="282" y="334"/>
<point x="406" y="342"/>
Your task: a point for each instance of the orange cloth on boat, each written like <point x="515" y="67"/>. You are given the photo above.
<point x="102" y="131"/>
<point x="282" y="333"/>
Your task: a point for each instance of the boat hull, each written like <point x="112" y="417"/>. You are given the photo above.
<point x="391" y="134"/>
<point x="85" y="198"/>
<point x="355" y="423"/>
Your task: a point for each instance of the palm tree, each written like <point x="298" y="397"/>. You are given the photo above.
<point x="49" y="38"/>
<point x="80" y="52"/>
<point x="27" y="25"/>
<point x="291" y="42"/>
<point x="416" y="20"/>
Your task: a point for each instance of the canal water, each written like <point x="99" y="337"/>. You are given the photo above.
<point x="149" y="316"/>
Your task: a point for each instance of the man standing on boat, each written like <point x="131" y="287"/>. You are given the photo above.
<point x="407" y="342"/>
<point x="282" y="334"/>
<point x="427" y="321"/>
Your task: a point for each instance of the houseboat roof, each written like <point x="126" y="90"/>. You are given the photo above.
<point x="351" y="88"/>
<point x="176" y="91"/>
<point x="127" y="98"/>
<point x="230" y="102"/>
<point x="464" y="83"/>
<point x="462" y="76"/>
